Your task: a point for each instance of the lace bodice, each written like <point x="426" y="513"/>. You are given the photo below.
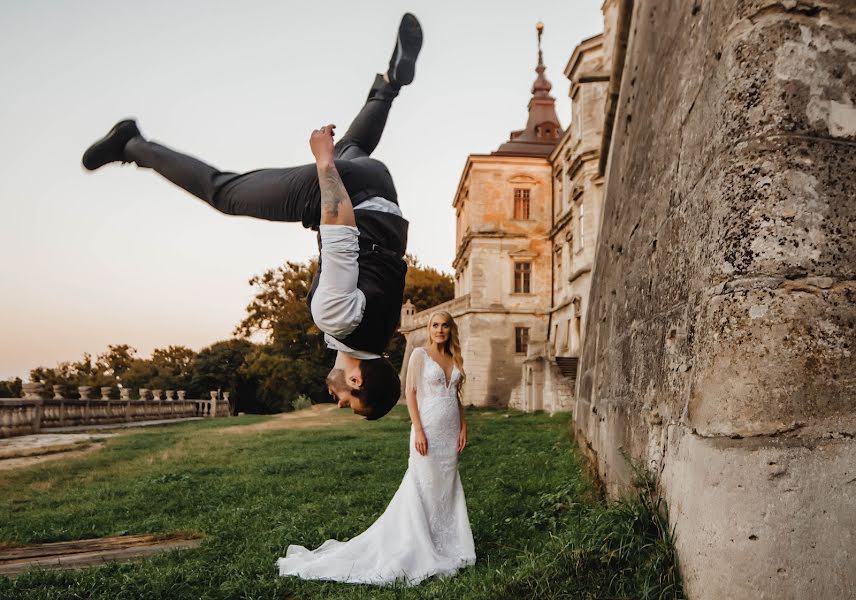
<point x="427" y="377"/>
<point x="437" y="399"/>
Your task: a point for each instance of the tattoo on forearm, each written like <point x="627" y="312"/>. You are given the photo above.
<point x="333" y="191"/>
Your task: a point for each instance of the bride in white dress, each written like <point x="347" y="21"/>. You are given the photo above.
<point x="425" y="529"/>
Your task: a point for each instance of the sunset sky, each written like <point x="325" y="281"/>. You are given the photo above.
<point x="121" y="255"/>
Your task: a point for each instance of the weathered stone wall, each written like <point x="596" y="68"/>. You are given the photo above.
<point x="542" y="385"/>
<point x="719" y="339"/>
<point x="491" y="239"/>
<point x="492" y="365"/>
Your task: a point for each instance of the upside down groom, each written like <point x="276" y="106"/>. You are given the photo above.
<point x="348" y="197"/>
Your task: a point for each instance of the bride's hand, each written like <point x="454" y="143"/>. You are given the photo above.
<point x="421" y="443"/>
<point x="462" y="439"/>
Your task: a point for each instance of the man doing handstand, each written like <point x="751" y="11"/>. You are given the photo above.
<point x="349" y="198"/>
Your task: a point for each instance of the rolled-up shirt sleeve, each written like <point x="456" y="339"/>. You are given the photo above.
<point x="338" y="305"/>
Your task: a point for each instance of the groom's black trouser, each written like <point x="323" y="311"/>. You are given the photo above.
<point x="287" y="194"/>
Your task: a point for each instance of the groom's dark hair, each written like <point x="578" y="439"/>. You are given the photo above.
<point x="381" y="387"/>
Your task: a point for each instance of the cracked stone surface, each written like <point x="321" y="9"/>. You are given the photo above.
<point x="722" y="323"/>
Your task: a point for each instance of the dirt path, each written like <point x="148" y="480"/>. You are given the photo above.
<point x="318" y="415"/>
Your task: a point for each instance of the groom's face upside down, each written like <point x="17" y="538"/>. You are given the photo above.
<point x="340" y="386"/>
<point x="371" y="387"/>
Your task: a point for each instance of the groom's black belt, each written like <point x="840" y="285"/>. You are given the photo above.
<point x="370" y="246"/>
<point x="381" y="232"/>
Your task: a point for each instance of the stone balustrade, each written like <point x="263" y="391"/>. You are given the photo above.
<point x="39" y="411"/>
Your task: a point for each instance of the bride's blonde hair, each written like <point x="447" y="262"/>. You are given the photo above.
<point x="453" y="344"/>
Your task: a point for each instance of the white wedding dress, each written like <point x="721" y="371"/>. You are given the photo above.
<point x="425" y="529"/>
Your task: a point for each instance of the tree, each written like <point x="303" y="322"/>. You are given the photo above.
<point x="219" y="366"/>
<point x="140" y="373"/>
<point x="424" y="287"/>
<point x="11" y="388"/>
<point x="293" y="359"/>
<point x="71" y="375"/>
<point x="169" y="368"/>
<point x="116" y="361"/>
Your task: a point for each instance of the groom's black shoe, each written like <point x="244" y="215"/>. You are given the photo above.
<point x="110" y="148"/>
<point x="402" y="65"/>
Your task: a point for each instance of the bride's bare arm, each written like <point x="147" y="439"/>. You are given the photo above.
<point x="462" y="435"/>
<point x="411" y="383"/>
<point x="413" y="409"/>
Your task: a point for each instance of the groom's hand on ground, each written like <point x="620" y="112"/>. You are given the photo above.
<point x="321" y="143"/>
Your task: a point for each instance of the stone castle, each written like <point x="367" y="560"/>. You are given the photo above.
<point x="526" y="226"/>
<point x="678" y="269"/>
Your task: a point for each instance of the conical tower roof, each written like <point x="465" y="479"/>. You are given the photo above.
<point x="542" y="130"/>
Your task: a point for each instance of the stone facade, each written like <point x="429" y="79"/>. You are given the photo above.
<point x="718" y="349"/>
<point x="577" y="191"/>
<point x="502" y="273"/>
<point x="557" y="174"/>
<point x="503" y="268"/>
<point x="550" y="369"/>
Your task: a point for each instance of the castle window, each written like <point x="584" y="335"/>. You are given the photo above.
<point x="581" y="234"/>
<point x="567" y="334"/>
<point x="521" y="204"/>
<point x="521" y="339"/>
<point x="522" y="274"/>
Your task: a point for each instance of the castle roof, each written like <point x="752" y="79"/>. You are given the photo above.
<point x="542" y="130"/>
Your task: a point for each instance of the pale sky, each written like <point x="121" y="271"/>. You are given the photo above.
<point x="123" y="256"/>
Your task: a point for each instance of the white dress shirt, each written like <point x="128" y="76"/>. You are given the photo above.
<point x="338" y="304"/>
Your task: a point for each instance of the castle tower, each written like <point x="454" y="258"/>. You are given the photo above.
<point x="502" y="260"/>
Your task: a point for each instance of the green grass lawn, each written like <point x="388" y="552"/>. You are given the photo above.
<point x="540" y="530"/>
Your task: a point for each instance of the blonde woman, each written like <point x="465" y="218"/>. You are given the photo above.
<point x="425" y="530"/>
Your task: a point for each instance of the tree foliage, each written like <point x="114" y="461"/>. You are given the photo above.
<point x="424" y="287"/>
<point x="293" y="358"/>
<point x="11" y="388"/>
<point x="219" y="366"/>
<point x="169" y="368"/>
<point x="173" y="367"/>
<point x="279" y="353"/>
<point x="72" y="374"/>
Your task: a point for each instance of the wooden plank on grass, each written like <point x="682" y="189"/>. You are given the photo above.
<point x="87" y="553"/>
